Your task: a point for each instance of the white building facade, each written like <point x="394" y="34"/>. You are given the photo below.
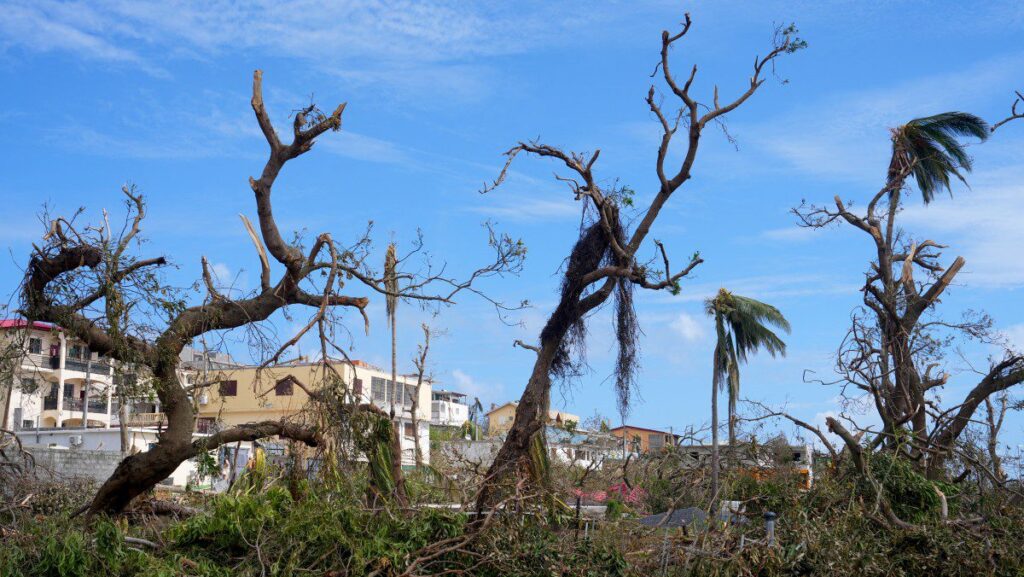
<point x="448" y="409"/>
<point x="57" y="381"/>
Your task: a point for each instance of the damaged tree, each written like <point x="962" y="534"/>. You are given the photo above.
<point x="604" y="260"/>
<point x="86" y="280"/>
<point x="895" y="351"/>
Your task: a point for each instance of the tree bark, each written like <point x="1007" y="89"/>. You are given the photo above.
<point x="530" y="418"/>
<point x="732" y="418"/>
<point x="715" y="456"/>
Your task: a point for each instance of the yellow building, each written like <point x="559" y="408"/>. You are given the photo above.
<point x="640" y="440"/>
<point x="499" y="419"/>
<point x="247" y="395"/>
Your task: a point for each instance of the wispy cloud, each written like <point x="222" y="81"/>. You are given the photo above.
<point x="66" y="27"/>
<point x="793" y="234"/>
<point x="465" y="383"/>
<point x="409" y="44"/>
<point x="982" y="225"/>
<point x="361" y="147"/>
<point x="526" y="209"/>
<point x="1014" y="336"/>
<point x="765" y="287"/>
<point x="844" y="136"/>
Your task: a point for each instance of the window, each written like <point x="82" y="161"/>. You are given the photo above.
<point x="656" y="441"/>
<point x="796" y="457"/>
<point x="228" y="388"/>
<point x="206" y="424"/>
<point x="410" y="394"/>
<point x="35" y="345"/>
<point x="357" y="387"/>
<point x="76" y="352"/>
<point x="379" y="389"/>
<point x="409" y="431"/>
<point x="283" y="388"/>
<point x="28" y="424"/>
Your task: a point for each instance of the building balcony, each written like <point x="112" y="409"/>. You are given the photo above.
<point x="146" y="420"/>
<point x="98" y="368"/>
<point x="39" y="361"/>
<point x="75" y="417"/>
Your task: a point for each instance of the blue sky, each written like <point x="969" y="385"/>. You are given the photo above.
<point x="98" y="94"/>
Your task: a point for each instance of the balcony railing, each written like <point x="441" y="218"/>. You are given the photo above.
<point x="98" y="368"/>
<point x="95" y="405"/>
<point x="146" y="419"/>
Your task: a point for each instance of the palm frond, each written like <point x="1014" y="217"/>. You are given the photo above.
<point x="930" y="147"/>
<point x="742" y="328"/>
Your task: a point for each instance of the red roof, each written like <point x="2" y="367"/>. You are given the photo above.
<point x="22" y="323"/>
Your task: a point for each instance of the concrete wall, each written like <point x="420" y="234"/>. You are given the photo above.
<point x="56" y="464"/>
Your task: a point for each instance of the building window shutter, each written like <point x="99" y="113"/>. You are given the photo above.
<point x="409" y="431"/>
<point x="229" y="388"/>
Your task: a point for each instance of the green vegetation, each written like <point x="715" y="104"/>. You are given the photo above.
<point x="327" y="530"/>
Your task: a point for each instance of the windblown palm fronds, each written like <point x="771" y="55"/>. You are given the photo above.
<point x="928" y="148"/>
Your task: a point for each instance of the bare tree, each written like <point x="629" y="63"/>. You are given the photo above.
<point x="1014" y="112"/>
<point x="420" y="362"/>
<point x="87" y="280"/>
<point x="897" y="347"/>
<point x="605" y="258"/>
<point x="995" y="414"/>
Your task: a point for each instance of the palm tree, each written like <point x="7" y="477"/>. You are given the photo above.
<point x="741" y="328"/>
<point x="391" y="309"/>
<point x="928" y="149"/>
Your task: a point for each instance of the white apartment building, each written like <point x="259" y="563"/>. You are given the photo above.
<point x="57" y="381"/>
<point x="448" y="409"/>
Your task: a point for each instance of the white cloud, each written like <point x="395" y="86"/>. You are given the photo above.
<point x="362" y="147"/>
<point x="793" y="234"/>
<point x="464" y="383"/>
<point x="845" y="136"/>
<point x="527" y="209"/>
<point x="426" y="44"/>
<point x="230" y="283"/>
<point x="74" y="28"/>
<point x="220" y="271"/>
<point x="1014" y="336"/>
<point x="982" y="225"/>
<point x="688" y="327"/>
<point x="765" y="287"/>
